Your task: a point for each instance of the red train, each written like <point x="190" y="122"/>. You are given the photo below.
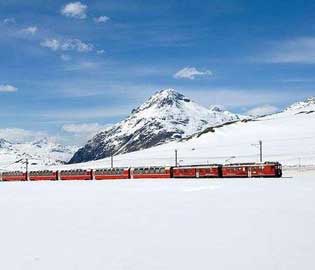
<point x="245" y="170"/>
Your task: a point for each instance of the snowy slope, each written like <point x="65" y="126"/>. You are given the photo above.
<point x="288" y="137"/>
<point x="166" y="116"/>
<point x="152" y="225"/>
<point x="42" y="152"/>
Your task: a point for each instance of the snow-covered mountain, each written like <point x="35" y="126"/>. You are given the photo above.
<point x="287" y="136"/>
<point x="41" y="152"/>
<point x="166" y="116"/>
<point x="306" y="106"/>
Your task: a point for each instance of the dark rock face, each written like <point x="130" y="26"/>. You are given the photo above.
<point x="101" y="147"/>
<point x="4" y="143"/>
<point x="166" y="116"/>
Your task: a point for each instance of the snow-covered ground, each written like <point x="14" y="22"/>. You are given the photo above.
<point x="161" y="224"/>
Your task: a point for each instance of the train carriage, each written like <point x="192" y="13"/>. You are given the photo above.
<point x="234" y="170"/>
<point x="43" y="176"/>
<point x="76" y="175"/>
<point x="151" y="172"/>
<point x="13" y="176"/>
<point x="184" y="172"/>
<point x="202" y="171"/>
<point x="111" y="174"/>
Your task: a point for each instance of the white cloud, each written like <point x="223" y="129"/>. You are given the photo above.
<point x="191" y="73"/>
<point x="7" y="88"/>
<point x="263" y="110"/>
<point x="80" y="133"/>
<point x="86" y="113"/>
<point x="67" y="45"/>
<point x="30" y="30"/>
<point x="18" y="135"/>
<point x="76" y="45"/>
<point x="52" y="44"/>
<point x="299" y="50"/>
<point x="101" y="19"/>
<point x="90" y="128"/>
<point x="100" y="51"/>
<point x="75" y="10"/>
<point x="9" y="21"/>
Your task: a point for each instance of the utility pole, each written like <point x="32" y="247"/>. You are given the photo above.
<point x="260" y="145"/>
<point x="27" y="173"/>
<point x="176" y="157"/>
<point x="111" y="161"/>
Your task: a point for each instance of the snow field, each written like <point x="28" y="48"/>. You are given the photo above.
<point x="159" y="224"/>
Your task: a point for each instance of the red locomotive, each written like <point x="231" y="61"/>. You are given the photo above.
<point x="247" y="170"/>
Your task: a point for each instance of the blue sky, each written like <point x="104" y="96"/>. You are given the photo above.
<point x="67" y="67"/>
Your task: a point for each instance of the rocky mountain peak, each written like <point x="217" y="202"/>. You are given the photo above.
<point x="302" y="106"/>
<point x="167" y="115"/>
<point x="4" y="143"/>
<point x="216" y="108"/>
<point x="310" y="100"/>
<point x="167" y="93"/>
<point x="162" y="99"/>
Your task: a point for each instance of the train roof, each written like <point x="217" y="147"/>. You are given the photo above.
<point x="41" y="171"/>
<point x="252" y="164"/>
<point x="12" y="172"/>
<point x="198" y="166"/>
<point x="152" y="167"/>
<point x="115" y="168"/>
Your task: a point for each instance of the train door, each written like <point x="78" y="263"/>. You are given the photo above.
<point x="249" y="172"/>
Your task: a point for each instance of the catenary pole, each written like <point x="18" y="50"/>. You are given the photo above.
<point x="176" y="158"/>
<point x="27" y="173"/>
